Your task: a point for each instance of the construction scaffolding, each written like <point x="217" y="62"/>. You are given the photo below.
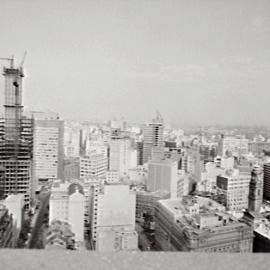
<point x="16" y="138"/>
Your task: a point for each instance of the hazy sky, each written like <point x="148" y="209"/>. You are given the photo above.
<point x="197" y="62"/>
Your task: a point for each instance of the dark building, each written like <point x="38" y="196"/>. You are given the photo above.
<point x="140" y="153"/>
<point x="170" y="144"/>
<point x="266" y="182"/>
<point x="255" y="190"/>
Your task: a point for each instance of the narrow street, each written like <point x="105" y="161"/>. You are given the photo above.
<point x="145" y="242"/>
<point x="44" y="202"/>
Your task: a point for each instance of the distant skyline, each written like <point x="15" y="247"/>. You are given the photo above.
<point x="197" y="62"/>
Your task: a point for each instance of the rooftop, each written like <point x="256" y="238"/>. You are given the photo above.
<point x="198" y="213"/>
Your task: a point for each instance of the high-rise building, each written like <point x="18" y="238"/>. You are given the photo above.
<point x="266" y="182"/>
<point x="48" y="150"/>
<point x="122" y="156"/>
<point x="16" y="139"/>
<point x="152" y="137"/>
<point x="113" y="219"/>
<point x="163" y="175"/>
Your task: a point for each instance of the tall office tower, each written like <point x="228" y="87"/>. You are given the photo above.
<point x="256" y="190"/>
<point x="67" y="203"/>
<point x="16" y="139"/>
<point x="152" y="137"/>
<point x="266" y="181"/>
<point x="48" y="151"/>
<point x="163" y="176"/>
<point x="113" y="219"/>
<point x="121" y="155"/>
<point x="196" y="224"/>
<point x="235" y="188"/>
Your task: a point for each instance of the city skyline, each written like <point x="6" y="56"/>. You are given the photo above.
<point x="118" y="186"/>
<point x="196" y="63"/>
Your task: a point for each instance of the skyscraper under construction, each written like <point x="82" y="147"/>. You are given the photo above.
<point x="16" y="138"/>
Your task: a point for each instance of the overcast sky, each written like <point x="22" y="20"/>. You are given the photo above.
<point x="197" y="62"/>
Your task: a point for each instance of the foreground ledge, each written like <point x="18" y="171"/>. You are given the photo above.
<point x="41" y="259"/>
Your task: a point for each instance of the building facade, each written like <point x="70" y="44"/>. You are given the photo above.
<point x="162" y="176"/>
<point x="113" y="219"/>
<point x="196" y="224"/>
<point x="48" y="151"/>
<point x="67" y="203"/>
<point x="235" y="187"/>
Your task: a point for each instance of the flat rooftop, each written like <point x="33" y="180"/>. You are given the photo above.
<point x="208" y="208"/>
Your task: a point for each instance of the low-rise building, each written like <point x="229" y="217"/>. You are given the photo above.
<point x="200" y="225"/>
<point x="67" y="203"/>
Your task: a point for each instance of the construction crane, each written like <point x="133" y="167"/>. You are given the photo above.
<point x="23" y="59"/>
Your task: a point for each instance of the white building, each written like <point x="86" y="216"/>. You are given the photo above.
<point x="235" y="187"/>
<point x="96" y="146"/>
<point x="15" y="205"/>
<point x="67" y="203"/>
<point x="122" y="156"/>
<point x="113" y="219"/>
<point x="163" y="175"/>
<point x="225" y="163"/>
<point x="93" y="165"/>
<point x="208" y="179"/>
